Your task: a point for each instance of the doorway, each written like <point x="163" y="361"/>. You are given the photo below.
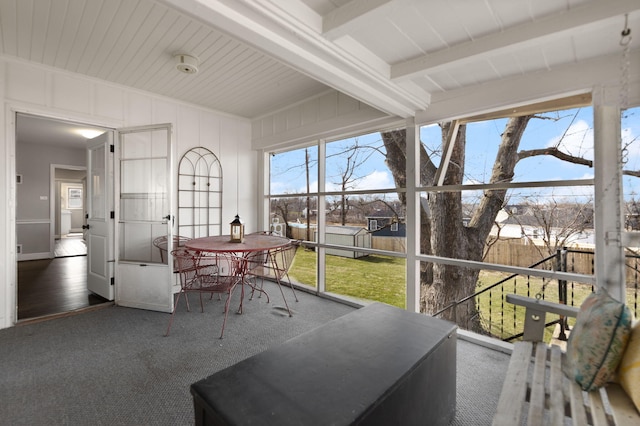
<point x="51" y="164"/>
<point x="140" y="179"/>
<point x="68" y="211"/>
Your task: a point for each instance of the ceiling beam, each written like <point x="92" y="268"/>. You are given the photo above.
<point x="576" y="101"/>
<point x="516" y="38"/>
<point x="271" y="28"/>
<point x="519" y="91"/>
<point x="346" y="19"/>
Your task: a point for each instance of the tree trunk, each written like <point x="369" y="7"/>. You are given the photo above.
<point x="442" y="232"/>
<point x="283" y="209"/>
<point x="343" y="210"/>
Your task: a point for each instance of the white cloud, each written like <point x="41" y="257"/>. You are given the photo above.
<point x="375" y="180"/>
<point x="279" y="187"/>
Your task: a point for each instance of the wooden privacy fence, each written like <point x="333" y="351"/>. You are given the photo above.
<point x="515" y="253"/>
<point x="389" y="243"/>
<point x="300" y="233"/>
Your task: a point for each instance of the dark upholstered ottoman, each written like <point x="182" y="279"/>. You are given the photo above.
<point x="378" y="365"/>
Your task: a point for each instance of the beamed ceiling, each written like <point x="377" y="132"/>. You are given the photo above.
<point x="258" y="56"/>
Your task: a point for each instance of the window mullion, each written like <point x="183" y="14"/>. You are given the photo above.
<point x="412" y="219"/>
<point x="322" y="223"/>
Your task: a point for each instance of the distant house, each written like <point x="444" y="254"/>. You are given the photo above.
<point x="353" y="236"/>
<point x="519" y="223"/>
<point x="386" y="226"/>
<point x="314" y="213"/>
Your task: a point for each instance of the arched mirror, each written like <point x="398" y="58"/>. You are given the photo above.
<point x="199" y="194"/>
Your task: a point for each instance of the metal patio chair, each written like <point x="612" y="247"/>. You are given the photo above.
<point x="161" y="244"/>
<point x="205" y="273"/>
<point x="273" y="265"/>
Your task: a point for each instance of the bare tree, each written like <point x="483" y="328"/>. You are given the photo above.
<point x="372" y="205"/>
<point x="632" y="214"/>
<point x="289" y="209"/>
<point x="442" y="230"/>
<point x="559" y="223"/>
<point x="352" y="158"/>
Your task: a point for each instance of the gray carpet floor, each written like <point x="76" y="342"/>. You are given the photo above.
<point x="114" y="366"/>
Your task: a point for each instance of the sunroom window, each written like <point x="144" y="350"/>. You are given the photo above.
<point x="356" y="190"/>
<point x="506" y="214"/>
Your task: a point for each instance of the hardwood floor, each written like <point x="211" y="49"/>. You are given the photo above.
<point x="53" y="286"/>
<point x="70" y="245"/>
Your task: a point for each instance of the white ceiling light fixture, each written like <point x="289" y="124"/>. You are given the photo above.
<point x="187" y="64"/>
<point x="89" y="133"/>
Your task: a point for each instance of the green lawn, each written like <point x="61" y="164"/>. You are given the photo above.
<point x="373" y="277"/>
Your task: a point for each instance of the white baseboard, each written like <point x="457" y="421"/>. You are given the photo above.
<point x="33" y="256"/>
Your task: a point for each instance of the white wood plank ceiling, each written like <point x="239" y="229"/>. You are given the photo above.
<point x="257" y="56"/>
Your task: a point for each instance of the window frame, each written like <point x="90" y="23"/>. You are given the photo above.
<point x="413" y="190"/>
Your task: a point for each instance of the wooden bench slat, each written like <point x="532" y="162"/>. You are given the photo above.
<point x="556" y="396"/>
<point x="514" y="388"/>
<point x="578" y="412"/>
<point x="624" y="412"/>
<point x="560" y="390"/>
<point x="536" y="402"/>
<point x="596" y="405"/>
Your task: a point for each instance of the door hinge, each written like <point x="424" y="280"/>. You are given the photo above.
<point x="112" y="148"/>
<point x="112" y="215"/>
<point x="113" y="281"/>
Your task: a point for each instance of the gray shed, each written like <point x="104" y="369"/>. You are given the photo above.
<point x="353" y="236"/>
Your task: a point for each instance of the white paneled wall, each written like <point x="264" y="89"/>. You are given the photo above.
<point x="48" y="92"/>
<point x="329" y="116"/>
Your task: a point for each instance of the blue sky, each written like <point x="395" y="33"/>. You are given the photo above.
<point x="571" y="131"/>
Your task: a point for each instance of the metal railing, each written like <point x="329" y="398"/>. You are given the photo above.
<point x="502" y="320"/>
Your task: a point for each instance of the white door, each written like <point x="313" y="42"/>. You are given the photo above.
<point x="144" y="277"/>
<point x="100" y="223"/>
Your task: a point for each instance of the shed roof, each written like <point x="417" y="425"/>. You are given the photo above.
<point x="345" y="230"/>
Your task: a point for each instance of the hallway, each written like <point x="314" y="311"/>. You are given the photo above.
<point x="70" y="245"/>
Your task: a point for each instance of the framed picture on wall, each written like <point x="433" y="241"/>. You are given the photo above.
<point x="74" y="200"/>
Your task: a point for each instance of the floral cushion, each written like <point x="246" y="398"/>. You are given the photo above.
<point x="598" y="340"/>
<point x="629" y="370"/>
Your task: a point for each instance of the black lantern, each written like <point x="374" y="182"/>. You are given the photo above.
<point x="237" y="230"/>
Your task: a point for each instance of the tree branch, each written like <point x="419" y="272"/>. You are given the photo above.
<point x="554" y="152"/>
